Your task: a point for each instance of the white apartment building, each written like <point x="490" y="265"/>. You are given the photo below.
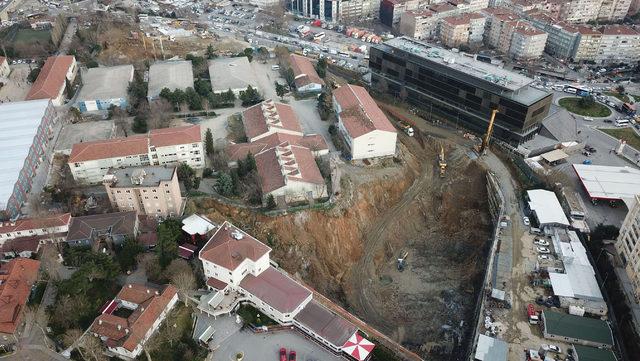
<point x="580" y="11"/>
<point x="153" y="191"/>
<point x="90" y="161"/>
<point x="619" y="44"/>
<point x="419" y="24"/>
<point x="25" y="235"/>
<point x="527" y="42"/>
<point x="628" y="246"/>
<point x="363" y="126"/>
<point x="588" y="44"/>
<point x="462" y="30"/>
<point x="613" y="10"/>
<point x="496" y="27"/>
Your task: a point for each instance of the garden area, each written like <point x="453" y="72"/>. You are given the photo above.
<point x="173" y="340"/>
<point x="585" y="106"/>
<point x="254" y="317"/>
<point x="628" y="134"/>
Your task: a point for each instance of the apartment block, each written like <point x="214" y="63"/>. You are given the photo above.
<point x="462" y="30"/>
<point x="336" y="10"/>
<point x="153" y="191"/>
<point x="580" y="11"/>
<point x="90" y="161"/>
<point x="613" y="10"/>
<point x="628" y="246"/>
<point x="588" y="44"/>
<point x="496" y="27"/>
<point x="527" y="42"/>
<point x="562" y="37"/>
<point x="619" y="44"/>
<point x="419" y="24"/>
<point x="392" y="10"/>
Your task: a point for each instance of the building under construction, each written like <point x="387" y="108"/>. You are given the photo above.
<point x="452" y="86"/>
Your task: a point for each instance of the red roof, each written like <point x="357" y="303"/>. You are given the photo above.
<point x="216" y="283"/>
<point x="26" y="224"/>
<point x="129" y="332"/>
<point x="16" y="278"/>
<point x="52" y="77"/>
<point x="279" y="165"/>
<point x="304" y="71"/>
<point x="186" y="250"/>
<point x="358" y="347"/>
<point x="619" y="30"/>
<point x="3" y="59"/>
<point x="269" y="116"/>
<point x="230" y="246"/>
<point x="463" y="19"/>
<point x="276" y="289"/>
<point x="325" y="323"/>
<point x="360" y="113"/>
<point x="135" y="144"/>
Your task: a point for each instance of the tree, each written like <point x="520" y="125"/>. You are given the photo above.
<point x="159" y="113"/>
<point x="137" y="90"/>
<point x="167" y="245"/>
<point x="325" y="104"/>
<point x="321" y="68"/>
<point x="248" y="52"/>
<point x="202" y="87"/>
<point x="271" y="202"/>
<point x="208" y="142"/>
<point x="181" y="275"/>
<point x="193" y="99"/>
<point x="33" y="75"/>
<point x="224" y="184"/>
<point x="92" y="64"/>
<point x="280" y="90"/>
<point x="210" y="53"/>
<point x="288" y="75"/>
<point x="93" y="349"/>
<point x="119" y="118"/>
<point x="139" y="124"/>
<point x="246" y="165"/>
<point x="128" y="252"/>
<point x="586" y="101"/>
<point x="250" y="96"/>
<point x="188" y="177"/>
<point x="620" y="89"/>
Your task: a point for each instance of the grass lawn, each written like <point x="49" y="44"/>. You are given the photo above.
<point x="621" y="97"/>
<point x="572" y="104"/>
<point x="30" y="36"/>
<point x="627" y="134"/>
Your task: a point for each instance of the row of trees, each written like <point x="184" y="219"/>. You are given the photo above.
<point x="250" y="96"/>
<point x="242" y="181"/>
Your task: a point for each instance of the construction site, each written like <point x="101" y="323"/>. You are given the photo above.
<point x="403" y="247"/>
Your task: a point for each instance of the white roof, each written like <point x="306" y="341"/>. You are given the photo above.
<point x="172" y="74"/>
<point x="197" y="224"/>
<point x="19" y="122"/>
<point x="605" y="182"/>
<point x="579" y="281"/>
<point x="231" y="73"/>
<point x="554" y="155"/>
<point x="106" y="83"/>
<point x="547" y="207"/>
<point x="491" y="349"/>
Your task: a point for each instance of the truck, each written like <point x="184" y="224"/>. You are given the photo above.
<point x="532" y="315"/>
<point x="408" y="129"/>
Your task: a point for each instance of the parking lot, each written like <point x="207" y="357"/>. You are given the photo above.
<point x="230" y="338"/>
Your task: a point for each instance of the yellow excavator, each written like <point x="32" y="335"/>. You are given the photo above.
<point x="442" y="163"/>
<point x="487" y="136"/>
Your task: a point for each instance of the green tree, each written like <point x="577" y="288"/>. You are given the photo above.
<point x="137" y="90"/>
<point x="289" y="76"/>
<point x="620" y="89"/>
<point x="271" y="202"/>
<point x="230" y="96"/>
<point x="193" y="99"/>
<point x="128" y="252"/>
<point x="211" y="54"/>
<point x="248" y="52"/>
<point x="224" y="184"/>
<point x="33" y="75"/>
<point x="167" y="245"/>
<point x="139" y="124"/>
<point x="208" y="142"/>
<point x="92" y="64"/>
<point x="250" y="96"/>
<point x="188" y="177"/>
<point x="321" y="68"/>
<point x="280" y="90"/>
<point x="202" y="87"/>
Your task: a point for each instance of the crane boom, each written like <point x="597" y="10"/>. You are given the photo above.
<point x="487" y="136"/>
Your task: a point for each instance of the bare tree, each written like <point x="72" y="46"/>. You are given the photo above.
<point x="120" y="119"/>
<point x="181" y="276"/>
<point x="93" y="349"/>
<point x="71" y="336"/>
<point x="160" y="111"/>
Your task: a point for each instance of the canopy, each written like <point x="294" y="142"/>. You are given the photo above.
<point x="358" y="347"/>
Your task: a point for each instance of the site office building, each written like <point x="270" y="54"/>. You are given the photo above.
<point x="450" y="86"/>
<point x="90" y="161"/>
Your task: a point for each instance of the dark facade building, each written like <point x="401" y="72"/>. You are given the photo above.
<point x="449" y="85"/>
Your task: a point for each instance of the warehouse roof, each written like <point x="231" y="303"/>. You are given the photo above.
<point x="231" y="73"/>
<point x="491" y="349"/>
<point x="52" y="77"/>
<point x="19" y="122"/>
<point x="586" y="353"/>
<point x="106" y="83"/>
<point x="610" y="183"/>
<point x="547" y="208"/>
<point x="172" y="74"/>
<point x="581" y="328"/>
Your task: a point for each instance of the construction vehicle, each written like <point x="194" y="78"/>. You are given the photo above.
<point x="442" y="163"/>
<point x="487" y="136"/>
<point x="532" y="314"/>
<point x="402" y="261"/>
<point x="408" y="129"/>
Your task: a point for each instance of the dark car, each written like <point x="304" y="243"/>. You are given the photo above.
<point x="608" y="121"/>
<point x="283" y="354"/>
<point x="292" y="356"/>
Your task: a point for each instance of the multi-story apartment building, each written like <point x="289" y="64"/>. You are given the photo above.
<point x="336" y="10"/>
<point x="527" y="42"/>
<point x="562" y="38"/>
<point x="90" y="161"/>
<point x="419" y="24"/>
<point x="392" y="10"/>
<point x="618" y="44"/>
<point x="26" y="129"/>
<point x="580" y="11"/>
<point x="459" y="89"/>
<point x="153" y="191"/>
<point x="613" y="10"/>
<point x="628" y="246"/>
<point x="496" y="27"/>
<point x="465" y="29"/>
<point x="588" y="44"/>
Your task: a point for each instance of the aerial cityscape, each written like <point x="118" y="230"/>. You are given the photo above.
<point x="313" y="180"/>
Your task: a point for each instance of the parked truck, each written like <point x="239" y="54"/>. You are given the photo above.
<point x="532" y="314"/>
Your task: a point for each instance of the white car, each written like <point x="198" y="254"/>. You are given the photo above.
<point x="526" y="221"/>
<point x="543" y="250"/>
<point x="541" y="242"/>
<point x="543" y="257"/>
<point x="552" y="348"/>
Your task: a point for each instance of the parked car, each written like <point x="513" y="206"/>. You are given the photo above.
<point x="541" y="242"/>
<point x="543" y="257"/>
<point x="608" y="121"/>
<point x="552" y="348"/>
<point x="292" y="356"/>
<point x="543" y="250"/>
<point x="283" y="354"/>
<point x="526" y="221"/>
<point x="588" y="119"/>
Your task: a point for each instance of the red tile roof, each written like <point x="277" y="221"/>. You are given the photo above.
<point x="216" y="283"/>
<point x="135" y="144"/>
<point x="186" y="250"/>
<point x="226" y="250"/>
<point x="285" y="163"/>
<point x="3" y="59"/>
<point x="52" y="77"/>
<point x="619" y="30"/>
<point x="276" y="289"/>
<point x="315" y="142"/>
<point x="462" y="19"/>
<point x="304" y="71"/>
<point x="30" y="244"/>
<point x="269" y="116"/>
<point x="129" y="332"/>
<point x="360" y="113"/>
<point x="27" y="224"/>
<point x="16" y="278"/>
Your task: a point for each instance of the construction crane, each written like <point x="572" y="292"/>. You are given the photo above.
<point x="402" y="261"/>
<point x="442" y="163"/>
<point x="487" y="136"/>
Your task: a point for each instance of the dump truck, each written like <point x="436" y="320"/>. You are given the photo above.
<point x="408" y="129"/>
<point x="442" y="162"/>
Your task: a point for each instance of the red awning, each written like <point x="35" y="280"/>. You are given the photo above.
<point x="358" y="347"/>
<point x="109" y="307"/>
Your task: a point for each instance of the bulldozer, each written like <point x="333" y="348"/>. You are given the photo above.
<point x="442" y="163"/>
<point x="402" y="261"/>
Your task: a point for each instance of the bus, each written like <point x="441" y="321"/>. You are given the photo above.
<point x="319" y="36"/>
<point x="578" y="90"/>
<point x="622" y="122"/>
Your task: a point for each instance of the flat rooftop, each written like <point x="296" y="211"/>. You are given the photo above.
<point x="610" y="183"/>
<point x="83" y="132"/>
<point x="171" y="74"/>
<point x="150" y="176"/>
<point x="231" y="73"/>
<point x="106" y="83"/>
<point x="19" y="123"/>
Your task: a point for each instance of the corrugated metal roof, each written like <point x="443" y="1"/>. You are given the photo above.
<point x="19" y="122"/>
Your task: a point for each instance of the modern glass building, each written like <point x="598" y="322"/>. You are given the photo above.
<point x="453" y="86"/>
